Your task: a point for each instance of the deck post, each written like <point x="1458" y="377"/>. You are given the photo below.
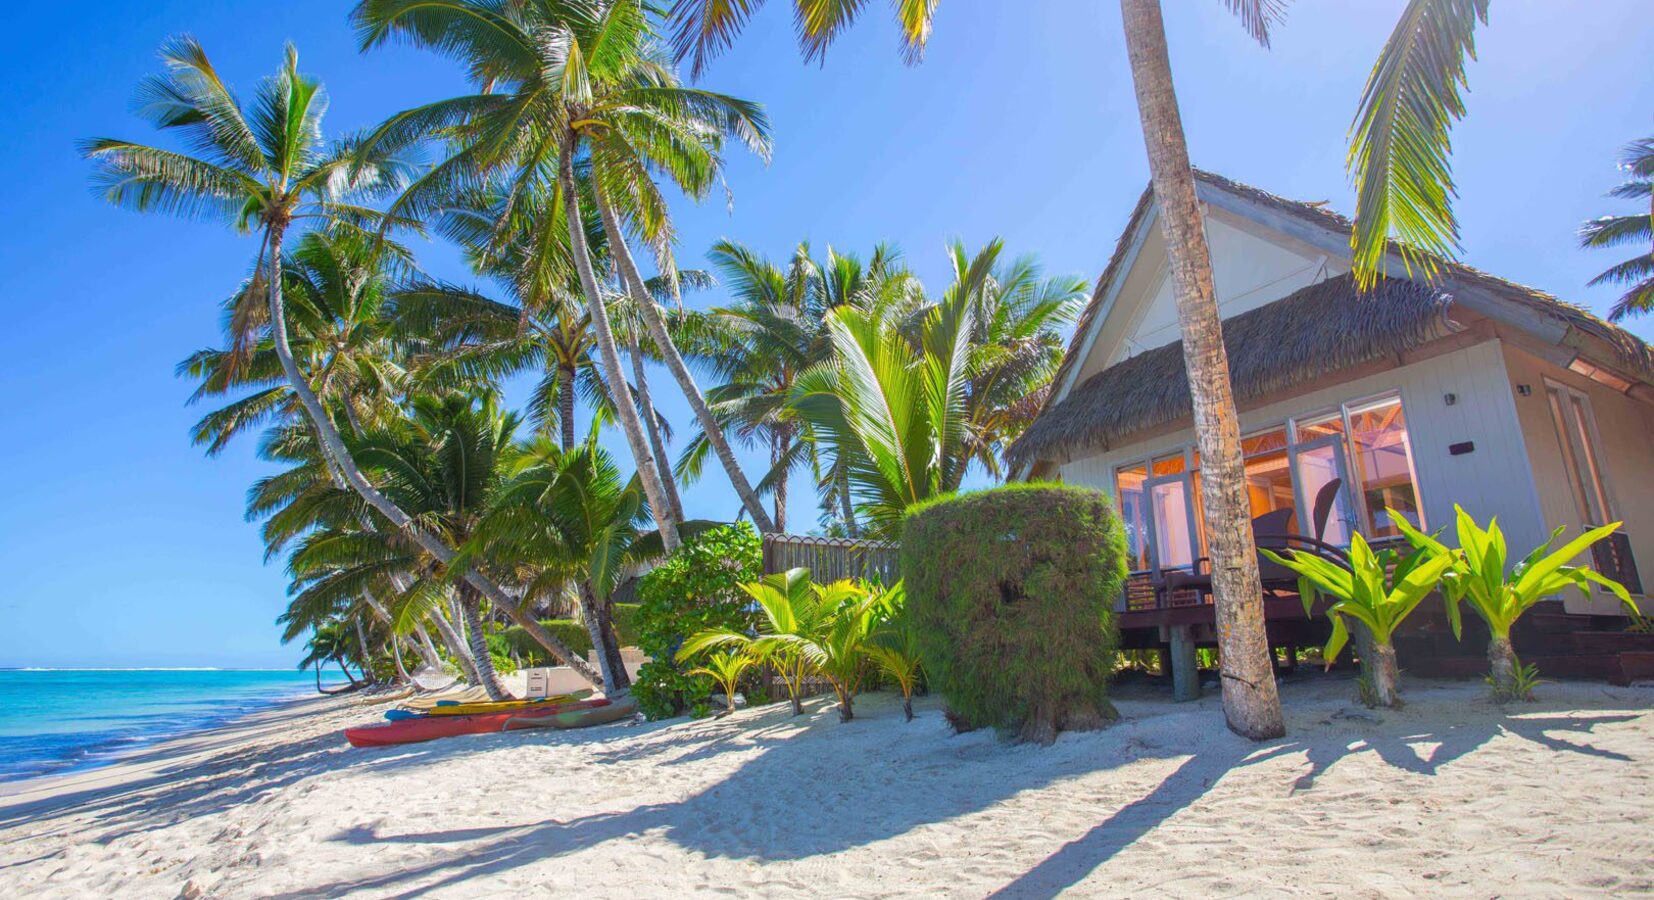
<point x="1185" y="674"/>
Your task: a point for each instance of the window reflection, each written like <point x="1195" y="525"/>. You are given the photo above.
<point x="1384" y="463"/>
<point x="1365" y="447"/>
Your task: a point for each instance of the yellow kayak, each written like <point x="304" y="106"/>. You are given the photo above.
<point x="471" y="709"/>
<point x="468" y="695"/>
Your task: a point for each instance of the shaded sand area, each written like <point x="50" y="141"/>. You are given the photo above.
<point x="1451" y="796"/>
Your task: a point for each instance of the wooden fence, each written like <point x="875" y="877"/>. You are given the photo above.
<point x="831" y="559"/>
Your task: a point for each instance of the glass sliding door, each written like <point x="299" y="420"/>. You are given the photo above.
<point x="1315" y="465"/>
<point x="1172" y="511"/>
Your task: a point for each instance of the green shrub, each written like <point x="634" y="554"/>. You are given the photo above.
<point x="529" y="651"/>
<point x="1011" y="593"/>
<point x="625" y="619"/>
<point x="697" y="588"/>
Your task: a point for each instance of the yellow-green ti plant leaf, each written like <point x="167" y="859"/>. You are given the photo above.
<point x="1479" y="577"/>
<point x="1366" y="590"/>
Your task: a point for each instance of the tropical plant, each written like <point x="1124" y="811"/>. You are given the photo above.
<point x="806" y="629"/>
<point x="894" y="648"/>
<point x="571" y="518"/>
<point x="774" y="330"/>
<point x="564" y="83"/>
<point x="1376" y="589"/>
<point x="726" y="669"/>
<point x="701" y="28"/>
<point x="1011" y="594"/>
<point x="1478" y="575"/>
<point x="1637" y="272"/>
<point x="698" y="587"/>
<point x="329" y="642"/>
<point x="270" y="170"/>
<point x="893" y="413"/>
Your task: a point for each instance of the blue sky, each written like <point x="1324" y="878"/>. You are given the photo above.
<point x="123" y="545"/>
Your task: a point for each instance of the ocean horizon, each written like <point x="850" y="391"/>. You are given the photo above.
<point x="55" y="720"/>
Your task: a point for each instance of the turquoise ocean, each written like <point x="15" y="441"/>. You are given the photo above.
<point x="55" y="720"/>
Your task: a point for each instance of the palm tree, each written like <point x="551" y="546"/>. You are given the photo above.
<point x="1637" y="273"/>
<point x="305" y="502"/>
<point x="1251" y="704"/>
<point x="775" y="330"/>
<point x="758" y="346"/>
<point x="566" y="84"/>
<point x="1016" y="344"/>
<point x="893" y="406"/>
<point x="270" y="170"/>
<point x="570" y="518"/>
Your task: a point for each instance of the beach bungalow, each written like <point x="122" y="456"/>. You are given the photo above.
<point x="1472" y="390"/>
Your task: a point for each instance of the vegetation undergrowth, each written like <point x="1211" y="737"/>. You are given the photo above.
<point x="696" y="588"/>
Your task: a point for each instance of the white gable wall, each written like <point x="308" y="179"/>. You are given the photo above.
<point x="1249" y="271"/>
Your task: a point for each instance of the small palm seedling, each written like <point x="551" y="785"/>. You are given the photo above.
<point x="727" y="669"/>
<point x="894" y="649"/>
<point x="1377" y="589"/>
<point x="1478" y="576"/>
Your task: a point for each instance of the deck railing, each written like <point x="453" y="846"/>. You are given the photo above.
<point x="832" y="559"/>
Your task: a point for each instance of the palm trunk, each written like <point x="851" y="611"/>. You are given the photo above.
<point x="633" y="281"/>
<point x="362" y="645"/>
<point x="845" y="711"/>
<point x="334" y="448"/>
<point x="456" y="647"/>
<point x="565" y="405"/>
<point x="847" y="505"/>
<point x="647" y="471"/>
<point x="427" y="650"/>
<point x="783" y="445"/>
<point x="348" y="677"/>
<point x="318" y="668"/>
<point x="907" y="705"/>
<point x="396" y="658"/>
<point x="651" y="421"/>
<point x="600" y="625"/>
<point x="1250" y="702"/>
<point x="1501" y="657"/>
<point x="477" y="638"/>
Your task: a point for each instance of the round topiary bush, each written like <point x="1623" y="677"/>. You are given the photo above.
<point x="1012" y="593"/>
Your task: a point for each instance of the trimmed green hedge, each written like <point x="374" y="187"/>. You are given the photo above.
<point x="529" y="652"/>
<point x="1011" y="593"/>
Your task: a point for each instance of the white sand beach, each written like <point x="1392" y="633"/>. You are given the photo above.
<point x="1450" y="796"/>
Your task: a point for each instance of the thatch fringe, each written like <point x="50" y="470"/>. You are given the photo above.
<point x="1315" y="331"/>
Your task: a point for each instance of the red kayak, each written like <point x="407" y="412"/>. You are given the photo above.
<point x="412" y="731"/>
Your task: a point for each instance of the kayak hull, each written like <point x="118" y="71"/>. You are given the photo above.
<point x="584" y="718"/>
<point x="430" y="728"/>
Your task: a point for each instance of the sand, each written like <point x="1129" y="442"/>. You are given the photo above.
<point x="1452" y="796"/>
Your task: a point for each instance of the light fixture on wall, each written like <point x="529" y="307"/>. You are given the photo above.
<point x="1450" y="398"/>
<point x="1524" y="390"/>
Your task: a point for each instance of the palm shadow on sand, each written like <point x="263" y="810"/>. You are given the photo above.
<point x="824" y="803"/>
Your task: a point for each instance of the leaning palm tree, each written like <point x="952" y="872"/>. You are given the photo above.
<point x="1251" y="704"/>
<point x="267" y="169"/>
<point x="564" y="84"/>
<point x="1637" y="272"/>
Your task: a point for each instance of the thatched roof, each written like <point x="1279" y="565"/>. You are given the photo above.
<point x="1313" y="332"/>
<point x="1627" y="350"/>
